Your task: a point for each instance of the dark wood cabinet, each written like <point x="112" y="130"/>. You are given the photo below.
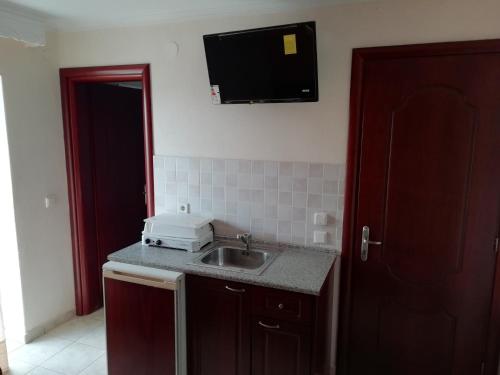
<point x="241" y="329"/>
<point x="280" y="347"/>
<point x="218" y="327"/>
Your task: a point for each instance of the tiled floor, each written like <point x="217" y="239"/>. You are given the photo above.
<point x="76" y="347"/>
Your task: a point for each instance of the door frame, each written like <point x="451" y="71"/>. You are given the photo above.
<point x="69" y="78"/>
<point x="359" y="57"/>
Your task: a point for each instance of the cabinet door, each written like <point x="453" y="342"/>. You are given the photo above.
<point x="280" y="348"/>
<point x="140" y="328"/>
<point x="218" y="327"/>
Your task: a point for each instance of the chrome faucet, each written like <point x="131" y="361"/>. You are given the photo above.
<point x="246" y="238"/>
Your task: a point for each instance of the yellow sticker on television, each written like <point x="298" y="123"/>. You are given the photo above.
<point x="290" y="44"/>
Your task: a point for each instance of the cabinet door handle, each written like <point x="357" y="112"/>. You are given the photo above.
<point x="235" y="290"/>
<point x="276" y="326"/>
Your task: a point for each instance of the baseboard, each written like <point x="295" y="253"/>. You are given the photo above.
<point x="41" y="329"/>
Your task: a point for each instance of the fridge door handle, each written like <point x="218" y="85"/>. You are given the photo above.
<point x="139" y="279"/>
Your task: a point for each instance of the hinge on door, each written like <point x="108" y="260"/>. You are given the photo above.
<point x="145" y="192"/>
<point x="497" y="244"/>
<point x="483" y="367"/>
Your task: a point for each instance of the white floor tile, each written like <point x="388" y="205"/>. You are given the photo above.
<point x="19" y="367"/>
<point x="75" y="329"/>
<point x="13" y="345"/>
<point x="39" y="350"/>
<point x="74" y="359"/>
<point x="96" y="338"/>
<point x="98" y="315"/>
<point x="99" y="367"/>
<point x="42" y="371"/>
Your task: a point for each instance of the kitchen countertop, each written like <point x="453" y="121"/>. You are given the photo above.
<point x="295" y="269"/>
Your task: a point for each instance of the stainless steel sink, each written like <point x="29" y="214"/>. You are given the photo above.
<point x="238" y="259"/>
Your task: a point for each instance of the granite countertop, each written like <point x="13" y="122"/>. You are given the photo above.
<point x="295" y="269"/>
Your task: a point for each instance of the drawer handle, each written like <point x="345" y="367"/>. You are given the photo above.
<point x="235" y="290"/>
<point x="276" y="326"/>
<point x="281" y="306"/>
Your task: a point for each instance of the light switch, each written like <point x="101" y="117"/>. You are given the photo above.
<point x="319" y="236"/>
<point x="320" y="218"/>
<point x="50" y="200"/>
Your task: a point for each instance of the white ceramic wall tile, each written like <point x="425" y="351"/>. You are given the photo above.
<point x="286" y="169"/>
<point x="258" y="167"/>
<point x="300" y="169"/>
<point x="271" y="168"/>
<point x="182" y="164"/>
<point x="271" y="182"/>
<point x="285" y="183"/>
<point x="219" y="166"/>
<point x="206" y="165"/>
<point x="274" y="200"/>
<point x="316" y="170"/>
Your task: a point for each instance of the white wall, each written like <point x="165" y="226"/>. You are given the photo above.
<point x="187" y="124"/>
<point x="35" y="135"/>
<point x="11" y="297"/>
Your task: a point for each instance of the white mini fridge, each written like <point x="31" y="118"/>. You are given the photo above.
<point x="145" y="320"/>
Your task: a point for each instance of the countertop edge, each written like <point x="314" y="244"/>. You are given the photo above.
<point x="208" y="272"/>
<point x="296" y="269"/>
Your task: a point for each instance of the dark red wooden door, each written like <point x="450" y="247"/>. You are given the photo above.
<point x="140" y="329"/>
<point x="119" y="173"/>
<point x="113" y="170"/>
<point x="428" y="187"/>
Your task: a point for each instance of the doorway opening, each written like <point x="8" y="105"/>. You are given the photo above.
<point x="108" y="137"/>
<point x="11" y="300"/>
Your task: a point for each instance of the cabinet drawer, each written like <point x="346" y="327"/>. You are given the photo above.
<point x="205" y="282"/>
<point x="280" y="304"/>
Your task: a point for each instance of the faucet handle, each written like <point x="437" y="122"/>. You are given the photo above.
<point x="244" y="237"/>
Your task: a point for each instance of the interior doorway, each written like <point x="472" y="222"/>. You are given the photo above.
<point x="107" y="121"/>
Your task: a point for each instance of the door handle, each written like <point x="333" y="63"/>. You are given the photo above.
<point x="235" y="290"/>
<point x="276" y="326"/>
<point x="365" y="243"/>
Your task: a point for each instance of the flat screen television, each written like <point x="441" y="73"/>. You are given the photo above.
<point x="266" y="65"/>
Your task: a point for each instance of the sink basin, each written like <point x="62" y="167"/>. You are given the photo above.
<point x="237" y="259"/>
<point x="225" y="256"/>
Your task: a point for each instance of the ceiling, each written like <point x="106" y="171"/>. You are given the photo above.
<point x="88" y="14"/>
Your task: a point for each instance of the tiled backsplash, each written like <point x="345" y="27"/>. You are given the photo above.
<point x="272" y="200"/>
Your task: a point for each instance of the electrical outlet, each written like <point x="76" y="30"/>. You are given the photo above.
<point x="183" y="208"/>
<point x="320" y="218"/>
<point x="320" y="237"/>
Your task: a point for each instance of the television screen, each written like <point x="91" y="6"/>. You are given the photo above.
<point x="266" y="65"/>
